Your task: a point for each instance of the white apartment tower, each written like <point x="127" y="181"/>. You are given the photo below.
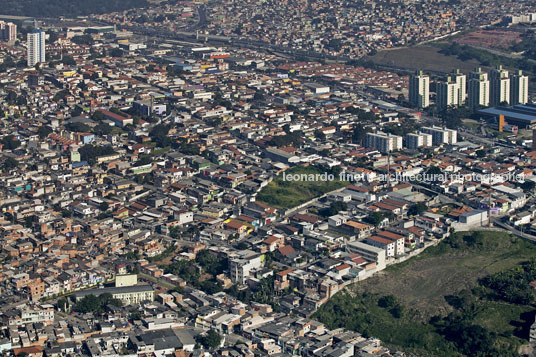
<point x="36" y="47"/>
<point x="461" y="80"/>
<point x="383" y="142"/>
<point x="419" y="90"/>
<point x="441" y="135"/>
<point x="415" y="141"/>
<point x="519" y="88"/>
<point x="8" y="31"/>
<point x="499" y="86"/>
<point x="448" y="94"/>
<point x="478" y="89"/>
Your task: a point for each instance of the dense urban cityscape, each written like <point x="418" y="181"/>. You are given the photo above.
<point x="266" y="178"/>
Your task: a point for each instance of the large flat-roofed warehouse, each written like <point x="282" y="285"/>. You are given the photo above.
<point x="522" y="115"/>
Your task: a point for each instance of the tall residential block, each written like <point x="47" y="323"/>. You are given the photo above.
<point x="383" y="142"/>
<point x="441" y="135"/>
<point x="418" y="140"/>
<point x="479" y="88"/>
<point x="461" y="80"/>
<point x="448" y="94"/>
<point x="419" y="90"/>
<point x="8" y="31"/>
<point x="499" y="86"/>
<point x="519" y="88"/>
<point x="36" y="47"/>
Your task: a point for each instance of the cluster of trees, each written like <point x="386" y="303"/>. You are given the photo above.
<point x="512" y="285"/>
<point x="294" y="138"/>
<point x="452" y="116"/>
<point x="192" y="273"/>
<point x="210" y="263"/>
<point x="159" y="134"/>
<point x="390" y="303"/>
<point x="70" y="8"/>
<point x="10" y="142"/>
<point x="375" y="218"/>
<point x="211" y="340"/>
<point x="263" y="293"/>
<point x="83" y="39"/>
<point x="417" y="209"/>
<point x="96" y="304"/>
<point x="13" y="99"/>
<point x="90" y="152"/>
<point x="406" y="126"/>
<point x="10" y="163"/>
<point x="333" y="209"/>
<point x="469" y="338"/>
<point x="466" y="53"/>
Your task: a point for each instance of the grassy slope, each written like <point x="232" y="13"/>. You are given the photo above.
<point x="421" y="285"/>
<point x="284" y="194"/>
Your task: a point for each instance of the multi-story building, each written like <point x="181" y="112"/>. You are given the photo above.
<point x="242" y="264"/>
<point x="419" y="90"/>
<point x="441" y="135"/>
<point x="31" y="315"/>
<point x="519" y="88"/>
<point x="127" y="294"/>
<point x="499" y="86"/>
<point x="8" y="31"/>
<point x="383" y="142"/>
<point x="461" y="80"/>
<point x="36" y="47"/>
<point x="415" y="141"/>
<point x="479" y="89"/>
<point x="448" y="94"/>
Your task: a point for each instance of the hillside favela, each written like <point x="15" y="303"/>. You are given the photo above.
<point x="252" y="178"/>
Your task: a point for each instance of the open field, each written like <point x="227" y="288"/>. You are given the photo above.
<point x="426" y="58"/>
<point x="493" y="39"/>
<point x="286" y="194"/>
<point x="425" y="280"/>
<point x="428" y="290"/>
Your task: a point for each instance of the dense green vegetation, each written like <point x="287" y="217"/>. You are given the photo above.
<point x="208" y="263"/>
<point x="465" y="53"/>
<point x="55" y="8"/>
<point x="96" y="304"/>
<point x="487" y="315"/>
<point x="211" y="340"/>
<point x="527" y="46"/>
<point x="91" y="152"/>
<point x="286" y="194"/>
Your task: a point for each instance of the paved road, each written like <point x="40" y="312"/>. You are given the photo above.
<point x="513" y="230"/>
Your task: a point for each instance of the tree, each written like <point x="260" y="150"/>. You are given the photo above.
<point x="359" y="134"/>
<point x="375" y="218"/>
<point x="211" y="341"/>
<point x="319" y="134"/>
<point x="104" y="206"/>
<point x="43" y="131"/>
<point x="10" y="163"/>
<point x="481" y="153"/>
<point x="68" y="61"/>
<point x="417" y="209"/>
<point x="333" y="209"/>
<point x="387" y="301"/>
<point x="528" y="185"/>
<point x="9" y="142"/>
<point x="116" y="52"/>
<point x="62" y="304"/>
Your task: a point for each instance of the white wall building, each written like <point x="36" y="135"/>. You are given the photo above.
<point x="419" y="90"/>
<point x="499" y="86"/>
<point x="519" y="88"/>
<point x="36" y="47"/>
